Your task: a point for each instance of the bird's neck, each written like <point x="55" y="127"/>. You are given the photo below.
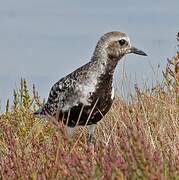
<point x="107" y="64"/>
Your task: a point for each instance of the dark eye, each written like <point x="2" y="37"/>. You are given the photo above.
<point x="122" y="42"/>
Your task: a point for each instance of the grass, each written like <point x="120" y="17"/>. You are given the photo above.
<point x="136" y="140"/>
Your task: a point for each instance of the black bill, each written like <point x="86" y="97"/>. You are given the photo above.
<point x="137" y="51"/>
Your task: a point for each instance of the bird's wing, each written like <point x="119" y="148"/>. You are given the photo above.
<point x="66" y="93"/>
<point x="62" y="95"/>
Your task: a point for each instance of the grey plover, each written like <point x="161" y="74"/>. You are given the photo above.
<point x="83" y="97"/>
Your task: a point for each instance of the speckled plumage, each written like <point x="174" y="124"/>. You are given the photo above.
<point x="89" y="85"/>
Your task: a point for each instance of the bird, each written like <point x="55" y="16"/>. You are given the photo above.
<point x="84" y="97"/>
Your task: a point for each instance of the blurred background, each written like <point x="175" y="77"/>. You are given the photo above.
<point x="44" y="40"/>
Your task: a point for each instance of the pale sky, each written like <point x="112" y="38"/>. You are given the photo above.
<point x="43" y="40"/>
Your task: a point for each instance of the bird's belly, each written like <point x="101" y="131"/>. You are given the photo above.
<point x="86" y="115"/>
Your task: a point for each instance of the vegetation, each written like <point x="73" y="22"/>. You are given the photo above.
<point x="136" y="140"/>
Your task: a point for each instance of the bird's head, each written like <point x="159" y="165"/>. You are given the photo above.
<point x="117" y="44"/>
